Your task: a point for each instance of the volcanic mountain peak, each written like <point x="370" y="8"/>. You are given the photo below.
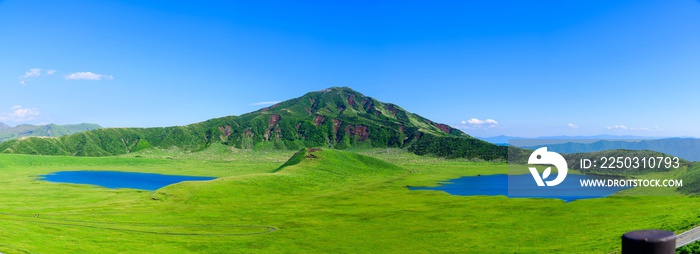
<point x="337" y="117"/>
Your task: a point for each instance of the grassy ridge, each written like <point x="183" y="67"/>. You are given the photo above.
<point x="312" y="170"/>
<point x="335" y="202"/>
<point x="105" y="142"/>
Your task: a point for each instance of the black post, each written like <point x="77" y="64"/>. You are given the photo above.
<point x="649" y="242"/>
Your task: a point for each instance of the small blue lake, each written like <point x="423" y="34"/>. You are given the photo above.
<point x="115" y="179"/>
<point x="523" y="186"/>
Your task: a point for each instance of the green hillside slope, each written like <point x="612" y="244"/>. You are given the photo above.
<point x="691" y="180"/>
<point x="49" y="130"/>
<point x="338" y="118"/>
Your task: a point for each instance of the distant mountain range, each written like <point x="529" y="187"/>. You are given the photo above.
<point x="503" y="140"/>
<point x="49" y="130"/>
<point x="338" y="117"/>
<point x="685" y="148"/>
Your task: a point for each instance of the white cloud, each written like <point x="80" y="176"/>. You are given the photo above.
<point x="87" y="76"/>
<point x="20" y="114"/>
<point x="572" y="126"/>
<point x="623" y="127"/>
<point x="475" y="121"/>
<point x="30" y="74"/>
<point x="33" y="73"/>
<point x="478" y="123"/>
<point x="617" y="127"/>
<point x="37" y="72"/>
<point x="262" y="103"/>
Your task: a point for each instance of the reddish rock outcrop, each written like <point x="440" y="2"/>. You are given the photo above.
<point x="336" y="125"/>
<point x="319" y="119"/>
<point x="392" y="109"/>
<point x="274" y="119"/>
<point x="226" y="132"/>
<point x="443" y="127"/>
<point x="368" y="104"/>
<point x="359" y="131"/>
<point x="351" y="100"/>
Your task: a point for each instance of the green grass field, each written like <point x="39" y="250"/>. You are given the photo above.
<point x="334" y="201"/>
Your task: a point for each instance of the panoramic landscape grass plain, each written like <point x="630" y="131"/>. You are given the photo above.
<point x="322" y="201"/>
<point x="348" y="126"/>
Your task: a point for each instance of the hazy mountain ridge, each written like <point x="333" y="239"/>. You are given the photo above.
<point x="685" y="148"/>
<point x="503" y="139"/>
<point x="49" y="130"/>
<point x="336" y="117"/>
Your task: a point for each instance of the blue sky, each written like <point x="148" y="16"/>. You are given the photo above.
<point x="523" y="68"/>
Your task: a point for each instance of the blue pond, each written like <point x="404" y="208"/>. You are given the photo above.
<point x="523" y="186"/>
<point x="114" y="179"/>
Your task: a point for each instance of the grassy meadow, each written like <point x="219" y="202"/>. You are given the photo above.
<point x="327" y="201"/>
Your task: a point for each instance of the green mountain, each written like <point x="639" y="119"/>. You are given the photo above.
<point x="49" y="130"/>
<point x="337" y="117"/>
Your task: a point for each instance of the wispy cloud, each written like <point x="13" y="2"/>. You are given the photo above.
<point x="478" y="123"/>
<point x="264" y="103"/>
<point x="623" y="127"/>
<point x="617" y="127"/>
<point x="87" y="76"/>
<point x="37" y="72"/>
<point x="33" y="73"/>
<point x="572" y="126"/>
<point x="475" y="121"/>
<point x="20" y="114"/>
